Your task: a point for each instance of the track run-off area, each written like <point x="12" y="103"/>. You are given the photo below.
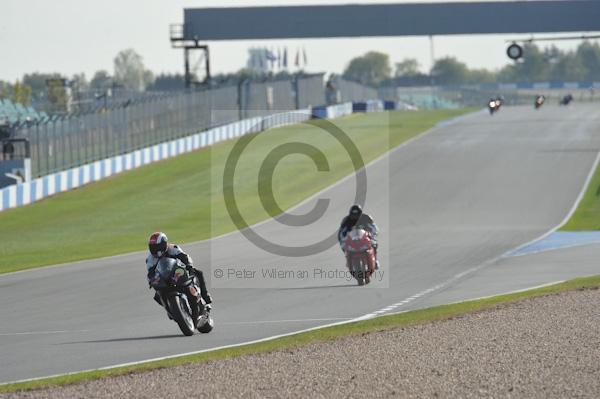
<point x="449" y="204"/>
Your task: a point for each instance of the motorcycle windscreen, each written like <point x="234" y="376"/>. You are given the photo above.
<point x="165" y="268"/>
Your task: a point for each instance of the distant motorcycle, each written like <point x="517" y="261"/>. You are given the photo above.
<point x="566" y="100"/>
<point x="539" y="101"/>
<point x="494" y="105"/>
<point x="360" y="254"/>
<point x="179" y="294"/>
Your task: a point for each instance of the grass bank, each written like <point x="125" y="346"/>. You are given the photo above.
<point x="587" y="214"/>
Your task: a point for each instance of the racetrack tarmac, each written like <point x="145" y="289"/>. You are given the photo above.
<point x="448" y="205"/>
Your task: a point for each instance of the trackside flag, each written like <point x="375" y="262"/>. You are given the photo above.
<point x="279" y="57"/>
<point x="271" y="56"/>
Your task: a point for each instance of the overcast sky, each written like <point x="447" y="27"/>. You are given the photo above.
<point x="72" y="36"/>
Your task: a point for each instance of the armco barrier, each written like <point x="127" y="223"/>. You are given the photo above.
<point x="319" y="112"/>
<point x="398" y="105"/>
<point x="332" y="111"/>
<point x="35" y="190"/>
<point x="367" y="106"/>
<point x="335" y="111"/>
<point x="389" y="105"/>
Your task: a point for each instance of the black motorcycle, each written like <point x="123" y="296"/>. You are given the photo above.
<point x="566" y="100"/>
<point x="179" y="293"/>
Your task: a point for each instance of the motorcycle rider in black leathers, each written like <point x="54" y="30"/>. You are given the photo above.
<point x="159" y="247"/>
<point x="357" y="217"/>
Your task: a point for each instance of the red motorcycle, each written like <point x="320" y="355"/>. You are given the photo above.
<point x="360" y="254"/>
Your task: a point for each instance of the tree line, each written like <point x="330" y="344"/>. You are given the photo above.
<point x="373" y="69"/>
<point x="129" y="73"/>
<point x="538" y="65"/>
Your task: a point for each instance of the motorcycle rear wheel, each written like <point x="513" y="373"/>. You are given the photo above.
<point x="205" y="326"/>
<point x="205" y="322"/>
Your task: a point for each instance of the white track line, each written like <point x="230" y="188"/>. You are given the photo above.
<point x="223" y="323"/>
<point x="511" y="292"/>
<point x="490" y="296"/>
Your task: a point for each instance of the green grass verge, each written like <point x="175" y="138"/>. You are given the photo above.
<point x="587" y="214"/>
<point x="326" y="334"/>
<point x="183" y="196"/>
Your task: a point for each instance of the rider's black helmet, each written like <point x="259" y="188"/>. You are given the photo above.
<point x="355" y="212"/>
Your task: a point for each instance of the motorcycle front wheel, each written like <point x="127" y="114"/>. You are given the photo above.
<point x="182" y="315"/>
<point x="360" y="270"/>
